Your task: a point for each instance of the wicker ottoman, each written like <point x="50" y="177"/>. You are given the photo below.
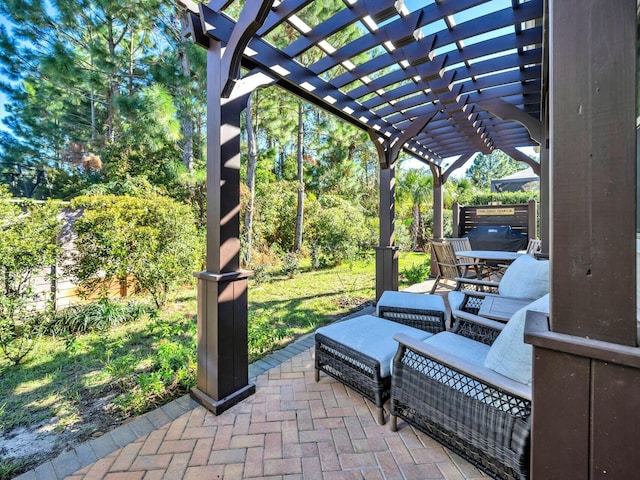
<point x="358" y="353"/>
<point x="420" y="310"/>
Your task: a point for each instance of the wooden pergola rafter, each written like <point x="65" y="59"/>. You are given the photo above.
<point x="408" y="74"/>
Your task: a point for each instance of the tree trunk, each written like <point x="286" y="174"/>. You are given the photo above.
<point x="187" y="119"/>
<point x="300" y="212"/>
<point x="252" y="163"/>
<point x="415" y="227"/>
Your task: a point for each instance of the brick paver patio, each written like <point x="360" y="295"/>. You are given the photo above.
<point x="292" y="428"/>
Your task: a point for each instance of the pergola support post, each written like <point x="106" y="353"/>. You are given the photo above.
<point x="586" y="365"/>
<point x="387" y="251"/>
<point x="223" y="374"/>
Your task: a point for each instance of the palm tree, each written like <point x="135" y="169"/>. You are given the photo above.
<point x="417" y="186"/>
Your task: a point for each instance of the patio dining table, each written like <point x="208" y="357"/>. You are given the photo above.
<point x="495" y="261"/>
<point x="493" y="256"/>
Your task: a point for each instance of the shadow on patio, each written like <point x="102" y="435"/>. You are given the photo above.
<point x="291" y="428"/>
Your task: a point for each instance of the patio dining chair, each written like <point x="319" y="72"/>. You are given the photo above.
<point x="534" y="246"/>
<point x="459" y="245"/>
<point x="450" y="268"/>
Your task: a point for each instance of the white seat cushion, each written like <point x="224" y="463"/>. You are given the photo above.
<point x="371" y="336"/>
<point x="509" y="355"/>
<point x="418" y="301"/>
<point x="526" y="277"/>
<point x="455" y="299"/>
<point x="462" y="347"/>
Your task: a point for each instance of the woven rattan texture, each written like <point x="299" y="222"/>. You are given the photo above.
<point x="486" y="425"/>
<point x="475" y="331"/>
<point x="431" y="321"/>
<point x="352" y="368"/>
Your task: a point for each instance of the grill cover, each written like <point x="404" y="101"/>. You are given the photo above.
<point x="496" y="237"/>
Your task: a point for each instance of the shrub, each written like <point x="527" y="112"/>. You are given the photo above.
<point x="28" y="245"/>
<point x="96" y="316"/>
<point x="337" y="230"/>
<point x="290" y="265"/>
<point x="152" y="240"/>
<point x="416" y="273"/>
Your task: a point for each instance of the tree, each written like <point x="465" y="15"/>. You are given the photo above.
<point x="89" y="74"/>
<point x="417" y="186"/>
<point x="488" y="167"/>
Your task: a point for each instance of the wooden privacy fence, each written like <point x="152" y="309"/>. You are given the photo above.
<point x="521" y="217"/>
<point x="51" y="284"/>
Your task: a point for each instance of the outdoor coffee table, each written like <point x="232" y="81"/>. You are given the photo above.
<point x="358" y="353"/>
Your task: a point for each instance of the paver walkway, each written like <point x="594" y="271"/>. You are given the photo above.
<point x="292" y="428"/>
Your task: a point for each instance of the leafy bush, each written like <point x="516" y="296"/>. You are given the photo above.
<point x="152" y="240"/>
<point x="416" y="273"/>
<point x="96" y="316"/>
<point x="290" y="265"/>
<point x="28" y="245"/>
<point x="260" y="274"/>
<point x="337" y="230"/>
<point x="506" y="198"/>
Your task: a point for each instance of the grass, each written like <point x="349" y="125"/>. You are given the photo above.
<point x="83" y="382"/>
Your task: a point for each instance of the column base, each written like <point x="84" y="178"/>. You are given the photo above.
<point x="386" y="269"/>
<point x="219" y="406"/>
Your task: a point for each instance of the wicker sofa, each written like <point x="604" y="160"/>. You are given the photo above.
<point x="470" y="389"/>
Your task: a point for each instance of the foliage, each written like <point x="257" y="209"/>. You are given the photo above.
<point x="489" y="167"/>
<point x="151" y="378"/>
<point x="265" y="332"/>
<point x="416" y="186"/>
<point x="152" y="241"/>
<point x="505" y="198"/>
<point x="275" y="215"/>
<point x="416" y="273"/>
<point x="337" y="230"/>
<point x="28" y="246"/>
<point x="95" y="317"/>
<point x="119" y="85"/>
<point x="290" y="264"/>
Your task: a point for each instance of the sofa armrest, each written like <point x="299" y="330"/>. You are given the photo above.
<point x="476" y="328"/>
<point x="476" y="285"/>
<point x="486" y="377"/>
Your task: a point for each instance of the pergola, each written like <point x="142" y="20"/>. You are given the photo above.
<point x="442" y="79"/>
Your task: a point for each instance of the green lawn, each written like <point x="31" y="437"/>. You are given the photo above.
<point x="295" y="306"/>
<point x="80" y="383"/>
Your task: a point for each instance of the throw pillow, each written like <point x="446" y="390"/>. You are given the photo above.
<point x="509" y="355"/>
<point x="526" y="277"/>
